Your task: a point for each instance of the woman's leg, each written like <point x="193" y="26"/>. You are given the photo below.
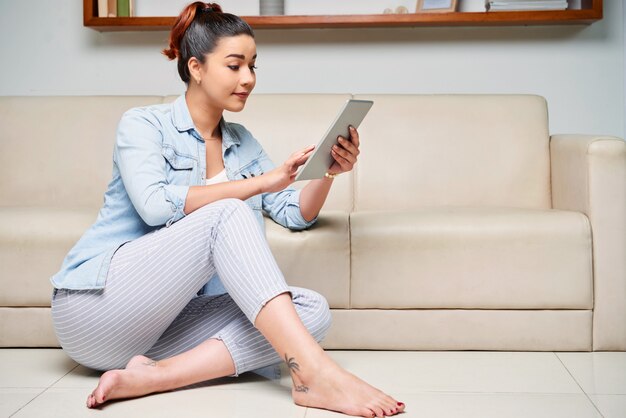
<point x="151" y="280"/>
<point x="317" y="380"/>
<point x="218" y="317"/>
<point x="210" y="338"/>
<point x="160" y="273"/>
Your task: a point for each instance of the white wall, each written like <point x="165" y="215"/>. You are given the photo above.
<point x="45" y="50"/>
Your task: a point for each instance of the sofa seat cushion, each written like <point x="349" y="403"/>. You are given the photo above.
<point x="461" y="329"/>
<point x="462" y="257"/>
<point x="27" y="327"/>
<point x="33" y="243"/>
<point x="317" y="258"/>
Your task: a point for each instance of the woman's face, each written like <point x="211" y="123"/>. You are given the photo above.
<point x="227" y="76"/>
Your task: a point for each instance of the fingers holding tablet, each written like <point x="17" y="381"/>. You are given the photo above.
<point x="345" y="153"/>
<point x="354" y="136"/>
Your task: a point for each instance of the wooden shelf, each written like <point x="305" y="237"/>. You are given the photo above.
<point x="588" y="15"/>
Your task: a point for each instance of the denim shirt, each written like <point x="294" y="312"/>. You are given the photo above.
<point x="158" y="155"/>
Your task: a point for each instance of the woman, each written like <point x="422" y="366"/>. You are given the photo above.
<point x="131" y="296"/>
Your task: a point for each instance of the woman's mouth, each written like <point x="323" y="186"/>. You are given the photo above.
<point x="242" y="95"/>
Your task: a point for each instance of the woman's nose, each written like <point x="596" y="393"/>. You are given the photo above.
<point x="248" y="78"/>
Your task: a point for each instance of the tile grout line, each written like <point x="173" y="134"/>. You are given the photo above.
<point x="43" y="391"/>
<point x="581" y="388"/>
<point x="23" y="406"/>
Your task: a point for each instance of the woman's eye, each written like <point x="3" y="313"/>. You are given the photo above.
<point x="236" y="67"/>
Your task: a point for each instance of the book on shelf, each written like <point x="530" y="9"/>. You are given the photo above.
<point x="107" y="8"/>
<point x="112" y="8"/>
<point x="521" y="5"/>
<point x="123" y="8"/>
<point x="103" y="10"/>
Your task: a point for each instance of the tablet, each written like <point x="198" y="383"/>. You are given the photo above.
<point x="352" y="113"/>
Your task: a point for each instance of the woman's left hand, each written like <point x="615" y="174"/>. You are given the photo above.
<point x="314" y="194"/>
<point x="345" y="153"/>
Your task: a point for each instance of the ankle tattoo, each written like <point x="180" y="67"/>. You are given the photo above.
<point x="294" y="368"/>
<point x="291" y="363"/>
<point x="151" y="363"/>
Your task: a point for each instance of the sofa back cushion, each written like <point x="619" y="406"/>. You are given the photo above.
<point x="454" y="150"/>
<point x="58" y="151"/>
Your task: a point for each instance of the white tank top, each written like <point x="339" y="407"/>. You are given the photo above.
<point x="218" y="178"/>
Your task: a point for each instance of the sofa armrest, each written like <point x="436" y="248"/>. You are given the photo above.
<point x="589" y="176"/>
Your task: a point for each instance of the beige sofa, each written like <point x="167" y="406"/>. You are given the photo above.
<point x="465" y="225"/>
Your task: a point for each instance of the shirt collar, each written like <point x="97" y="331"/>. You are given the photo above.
<point x="183" y="122"/>
<point x="229" y="136"/>
<point x="181" y="116"/>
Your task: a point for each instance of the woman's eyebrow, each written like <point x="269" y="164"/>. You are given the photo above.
<point x="240" y="56"/>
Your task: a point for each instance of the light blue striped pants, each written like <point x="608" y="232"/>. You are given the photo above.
<point x="150" y="306"/>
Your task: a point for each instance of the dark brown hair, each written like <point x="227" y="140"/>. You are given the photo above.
<point x="197" y="30"/>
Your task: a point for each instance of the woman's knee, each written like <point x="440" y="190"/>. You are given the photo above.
<point x="231" y="210"/>
<point x="314" y="311"/>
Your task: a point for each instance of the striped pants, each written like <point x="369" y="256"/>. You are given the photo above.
<point x="150" y="306"/>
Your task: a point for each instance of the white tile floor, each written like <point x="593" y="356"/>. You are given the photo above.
<point x="45" y="383"/>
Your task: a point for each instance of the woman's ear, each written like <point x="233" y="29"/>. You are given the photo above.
<point x="194" y="67"/>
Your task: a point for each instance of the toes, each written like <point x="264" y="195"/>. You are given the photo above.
<point x="99" y="396"/>
<point x="388" y="405"/>
<point x="376" y="411"/>
<point x="401" y="406"/>
<point x="367" y="413"/>
<point x="389" y="412"/>
<point x="383" y="406"/>
<point x="91" y="401"/>
<point x="392" y="408"/>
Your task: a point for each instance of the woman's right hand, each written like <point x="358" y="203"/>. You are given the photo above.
<point x="285" y="174"/>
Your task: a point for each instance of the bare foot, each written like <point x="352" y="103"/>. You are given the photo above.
<point x="336" y="389"/>
<point x="140" y="377"/>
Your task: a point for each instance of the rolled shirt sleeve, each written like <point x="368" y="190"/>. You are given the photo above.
<point x="284" y="206"/>
<point x="176" y="196"/>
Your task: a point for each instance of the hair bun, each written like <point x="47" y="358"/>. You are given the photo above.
<point x="211" y="7"/>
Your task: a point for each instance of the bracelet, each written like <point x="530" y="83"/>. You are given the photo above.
<point x="330" y="176"/>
